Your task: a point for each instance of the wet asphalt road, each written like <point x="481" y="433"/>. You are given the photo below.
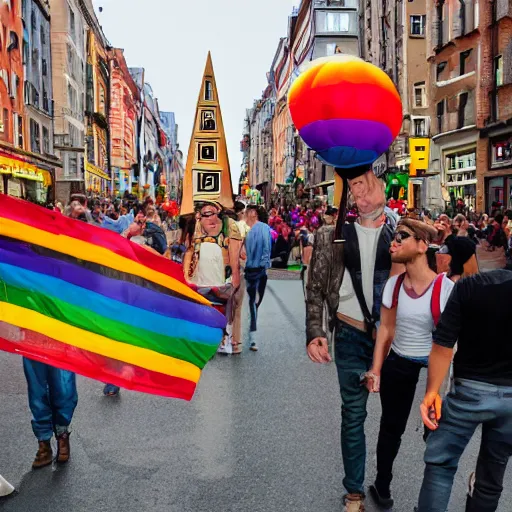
<point x="262" y="435"/>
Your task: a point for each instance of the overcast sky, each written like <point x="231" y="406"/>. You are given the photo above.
<point x="171" y="39"/>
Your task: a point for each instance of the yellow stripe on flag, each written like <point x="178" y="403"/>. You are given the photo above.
<point x="75" y="337"/>
<point x="93" y="253"/>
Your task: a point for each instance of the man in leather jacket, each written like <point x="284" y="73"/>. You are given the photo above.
<point x="348" y="280"/>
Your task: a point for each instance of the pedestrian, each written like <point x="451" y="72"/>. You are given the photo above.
<point x="258" y="248"/>
<point x="411" y="306"/>
<point x="212" y="261"/>
<point x="473" y="319"/>
<point x="52" y="398"/>
<point x="350" y="278"/>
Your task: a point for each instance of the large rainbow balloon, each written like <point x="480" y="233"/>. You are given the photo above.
<point x="346" y="109"/>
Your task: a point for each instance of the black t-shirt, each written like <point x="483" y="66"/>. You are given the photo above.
<point x="477" y="316"/>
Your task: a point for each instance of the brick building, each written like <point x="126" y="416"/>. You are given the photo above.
<point x="494" y="116"/>
<point x="470" y="56"/>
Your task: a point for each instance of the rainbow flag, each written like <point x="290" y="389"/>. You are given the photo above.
<point x="84" y="299"/>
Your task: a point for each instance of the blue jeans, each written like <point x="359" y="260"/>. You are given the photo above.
<point x="470" y="405"/>
<point x="256" y="281"/>
<point x="354" y="353"/>
<point x="52" y="398"/>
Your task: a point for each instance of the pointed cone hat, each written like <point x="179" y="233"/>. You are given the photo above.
<point x="207" y="175"/>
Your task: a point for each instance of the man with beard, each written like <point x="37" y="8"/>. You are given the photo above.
<point x="411" y="307"/>
<point x="350" y="278"/>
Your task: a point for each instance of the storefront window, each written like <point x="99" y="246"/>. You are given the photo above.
<point x="495" y="193"/>
<point x="501" y="151"/>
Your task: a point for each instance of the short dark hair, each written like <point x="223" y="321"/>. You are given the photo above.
<point x="499" y="218"/>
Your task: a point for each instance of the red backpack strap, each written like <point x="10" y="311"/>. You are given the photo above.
<point x="396" y="291"/>
<point x="435" y="304"/>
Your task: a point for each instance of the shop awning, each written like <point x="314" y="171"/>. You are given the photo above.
<point x="96" y="171"/>
<point x="24" y="170"/>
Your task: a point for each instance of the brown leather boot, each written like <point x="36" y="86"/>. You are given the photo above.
<point x="63" y="449"/>
<point x="44" y="455"/>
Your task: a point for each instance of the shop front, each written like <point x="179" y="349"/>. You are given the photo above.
<point x="498" y="189"/>
<point x="460" y="176"/>
<point x="22" y="179"/>
<point x="97" y="181"/>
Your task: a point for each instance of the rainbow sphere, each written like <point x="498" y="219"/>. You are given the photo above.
<point x="345" y="109"/>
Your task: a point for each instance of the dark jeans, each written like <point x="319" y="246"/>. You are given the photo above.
<point x="52" y="397"/>
<point x="354" y="352"/>
<point x="399" y="378"/>
<point x="470" y="405"/>
<point x="256" y="281"/>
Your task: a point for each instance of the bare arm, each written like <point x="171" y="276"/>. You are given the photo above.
<point x="385" y="336"/>
<point x="235" y="247"/>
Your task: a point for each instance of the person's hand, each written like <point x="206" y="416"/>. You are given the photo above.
<point x="431" y="410"/>
<point x="235" y="281"/>
<point x="318" y="351"/>
<point x="372" y="381"/>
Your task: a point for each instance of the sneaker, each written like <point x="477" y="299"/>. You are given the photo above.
<point x="382" y="500"/>
<point x="111" y="390"/>
<point x="44" y="455"/>
<point x="353" y="503"/>
<point x="253" y="347"/>
<point x="63" y="448"/>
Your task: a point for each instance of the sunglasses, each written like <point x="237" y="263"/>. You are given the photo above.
<point x="207" y="215"/>
<point x="400" y="236"/>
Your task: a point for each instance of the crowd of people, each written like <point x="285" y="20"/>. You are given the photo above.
<point x="385" y="304"/>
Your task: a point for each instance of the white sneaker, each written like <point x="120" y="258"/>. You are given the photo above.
<point x="226" y="347"/>
<point x="5" y="487"/>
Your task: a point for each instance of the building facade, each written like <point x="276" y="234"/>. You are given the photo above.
<point x="124" y="112"/>
<point x="173" y="169"/>
<point x="38" y="123"/>
<point x="97" y="110"/>
<point x="494" y="115"/>
<point x="68" y="36"/>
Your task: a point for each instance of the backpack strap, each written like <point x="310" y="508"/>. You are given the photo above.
<point x="396" y="291"/>
<point x="435" y="304"/>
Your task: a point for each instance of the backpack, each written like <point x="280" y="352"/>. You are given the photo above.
<point x="435" y="303"/>
<point x="156" y="237"/>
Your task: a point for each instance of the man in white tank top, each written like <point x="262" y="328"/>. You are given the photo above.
<point x="411" y="306"/>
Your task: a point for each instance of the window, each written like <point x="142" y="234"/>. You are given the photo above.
<point x="463" y="58"/>
<point x="46" y="103"/>
<point x="72" y="26"/>
<point x="208" y="91"/>
<point x="420" y="95"/>
<point x="502" y="152"/>
<point x="2" y="125"/>
<point x="440" y="114"/>
<point x="207" y="151"/>
<point x="336" y="22"/>
<point x="46" y="140"/>
<point x="20" y="132"/>
<point x="33" y="22"/>
<point x="420" y="127"/>
<point x="462" y="16"/>
<point x="102" y="100"/>
<point x="419" y="148"/>
<point x="35" y="138"/>
<point x="44" y="66"/>
<point x="14" y="41"/>
<point x="498" y="70"/>
<point x="6" y="122"/>
<point x="440" y="68"/>
<point x="43" y="35"/>
<point x="440" y="21"/>
<point x="463" y="101"/>
<point x="418" y="24"/>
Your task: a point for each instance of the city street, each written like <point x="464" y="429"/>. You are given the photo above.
<point x="261" y="435"/>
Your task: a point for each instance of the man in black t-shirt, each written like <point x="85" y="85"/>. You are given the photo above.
<point x="475" y="318"/>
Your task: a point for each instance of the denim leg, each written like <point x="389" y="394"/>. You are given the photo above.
<point x="262" y="286"/>
<point x="36" y="374"/>
<point x="353" y="358"/>
<point x="63" y="397"/>
<point x="444" y="449"/>
<point x="252" y="288"/>
<point x="397" y="389"/>
<point x="495" y="451"/>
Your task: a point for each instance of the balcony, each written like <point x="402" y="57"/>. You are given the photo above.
<point x="337" y="24"/>
<point x="336" y="4"/>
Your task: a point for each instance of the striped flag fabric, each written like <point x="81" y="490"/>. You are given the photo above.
<point x="85" y="299"/>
